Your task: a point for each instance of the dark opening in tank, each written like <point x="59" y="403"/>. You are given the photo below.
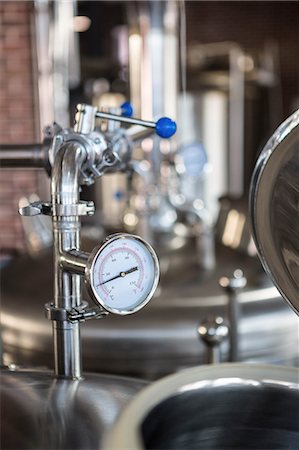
<point x="226" y="417"/>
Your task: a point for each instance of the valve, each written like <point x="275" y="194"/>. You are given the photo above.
<point x="165" y="127"/>
<point x="86" y="115"/>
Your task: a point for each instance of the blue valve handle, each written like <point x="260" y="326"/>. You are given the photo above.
<point x="165" y="127"/>
<point x="126" y="109"/>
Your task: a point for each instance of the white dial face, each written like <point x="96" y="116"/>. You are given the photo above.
<point x="124" y="274"/>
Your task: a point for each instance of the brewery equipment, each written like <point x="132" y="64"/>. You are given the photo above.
<point x="171" y="211"/>
<point x="204" y="407"/>
<point x="162" y="338"/>
<point x="121" y="276"/>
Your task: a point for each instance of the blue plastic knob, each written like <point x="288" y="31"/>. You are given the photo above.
<point x="165" y="127"/>
<point x="127" y="109"/>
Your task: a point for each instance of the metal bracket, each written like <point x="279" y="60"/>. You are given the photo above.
<point x="80" y="209"/>
<point x="78" y="314"/>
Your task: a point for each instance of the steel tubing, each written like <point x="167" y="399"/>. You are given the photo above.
<point x="28" y="155"/>
<point x="66" y="236"/>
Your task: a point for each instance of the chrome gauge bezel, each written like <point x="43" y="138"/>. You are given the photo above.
<point x="89" y="273"/>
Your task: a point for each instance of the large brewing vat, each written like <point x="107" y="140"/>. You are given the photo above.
<point x="235" y="406"/>
<point x="229" y="407"/>
<point x="163" y="337"/>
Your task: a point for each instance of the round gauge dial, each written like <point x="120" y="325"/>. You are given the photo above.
<point x="123" y="273"/>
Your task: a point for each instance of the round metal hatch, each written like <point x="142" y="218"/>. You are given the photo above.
<point x="274" y="201"/>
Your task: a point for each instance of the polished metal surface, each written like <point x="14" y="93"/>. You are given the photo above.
<point x="40" y="412"/>
<point x="162" y="338"/>
<point x="233" y="285"/>
<point x="214" y="407"/>
<point x="66" y="236"/>
<point x="274" y="208"/>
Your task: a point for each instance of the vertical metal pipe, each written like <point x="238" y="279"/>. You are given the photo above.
<point x="66" y="236"/>
<point x="236" y="122"/>
<point x="233" y="286"/>
<point x="234" y="320"/>
<point x="153" y="61"/>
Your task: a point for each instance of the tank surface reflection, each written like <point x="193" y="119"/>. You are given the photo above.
<point x="228" y="407"/>
<point x="163" y="337"/>
<point x="274" y="208"/>
<point x="40" y="412"/>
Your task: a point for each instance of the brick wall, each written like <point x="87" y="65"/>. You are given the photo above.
<point x="17" y="114"/>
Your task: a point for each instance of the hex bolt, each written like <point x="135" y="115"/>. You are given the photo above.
<point x="213" y="331"/>
<point x="232" y="287"/>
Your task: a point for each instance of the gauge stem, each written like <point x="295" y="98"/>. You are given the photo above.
<point x="74" y="261"/>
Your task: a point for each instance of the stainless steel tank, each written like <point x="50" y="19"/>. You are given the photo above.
<point x="163" y="337"/>
<point x="41" y="412"/>
<point x="235" y="406"/>
<point x="222" y="406"/>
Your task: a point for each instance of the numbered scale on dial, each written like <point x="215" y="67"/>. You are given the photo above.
<point x="123" y="274"/>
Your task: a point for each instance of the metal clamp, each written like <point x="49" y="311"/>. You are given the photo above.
<point x="57" y="314"/>
<point x="78" y="314"/>
<point x="80" y="209"/>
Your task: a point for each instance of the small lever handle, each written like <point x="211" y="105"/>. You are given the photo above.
<point x="86" y="115"/>
<point x="36" y="208"/>
<point x="165" y="127"/>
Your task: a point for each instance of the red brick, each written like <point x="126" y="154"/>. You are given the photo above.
<point x="17" y="114"/>
<point x="17" y="6"/>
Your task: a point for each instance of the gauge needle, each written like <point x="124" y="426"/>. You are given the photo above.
<point x="120" y="275"/>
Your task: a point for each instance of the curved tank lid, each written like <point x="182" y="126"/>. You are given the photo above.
<point x="274" y="202"/>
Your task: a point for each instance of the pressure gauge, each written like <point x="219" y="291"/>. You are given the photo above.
<point x="122" y="274"/>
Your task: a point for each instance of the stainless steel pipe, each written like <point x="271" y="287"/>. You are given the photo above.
<point x="66" y="236"/>
<point x="28" y="155"/>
